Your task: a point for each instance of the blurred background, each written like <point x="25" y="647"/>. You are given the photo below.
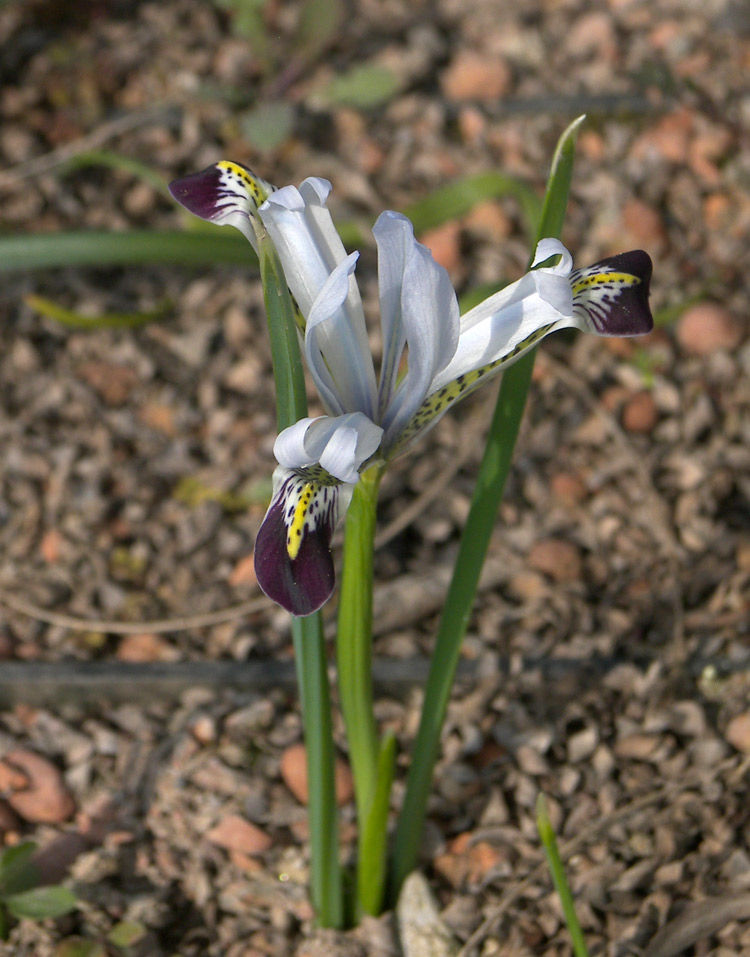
<point x="608" y="654"/>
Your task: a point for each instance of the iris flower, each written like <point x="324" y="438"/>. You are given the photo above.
<point x="432" y="356"/>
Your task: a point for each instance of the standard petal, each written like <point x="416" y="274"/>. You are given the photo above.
<point x="394" y="235"/>
<point x="340" y="362"/>
<point x="227" y="194"/>
<point x="610" y="298"/>
<point x="310" y="251"/>
<point x="293" y="561"/>
<point x="339" y="445"/>
<point x="427" y="311"/>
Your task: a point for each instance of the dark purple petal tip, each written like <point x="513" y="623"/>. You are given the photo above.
<point x="612" y="295"/>
<point x="301" y="585"/>
<point x="199" y="192"/>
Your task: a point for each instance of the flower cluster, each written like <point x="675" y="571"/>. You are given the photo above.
<point x="371" y="418"/>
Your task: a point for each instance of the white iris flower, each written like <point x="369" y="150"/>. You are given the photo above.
<point x="371" y="418"/>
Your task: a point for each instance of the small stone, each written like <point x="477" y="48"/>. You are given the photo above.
<point x="489" y="219"/>
<point x="738" y="732"/>
<point x="9" y="820"/>
<point x="49" y="547"/>
<point x="445" y="246"/>
<point x="243" y="572"/>
<point x="640" y="413"/>
<point x="235" y="834"/>
<point x="643" y="225"/>
<point x="582" y="744"/>
<point x="293" y="770"/>
<point x="639" y="747"/>
<point x="568" y="487"/>
<point x="706" y="328"/>
<point x="467" y="861"/>
<point x="203" y="729"/>
<point x="145" y="647"/>
<point x="557" y="558"/>
<point x="113" y="383"/>
<point x="474" y="77"/>
<point x="45" y="799"/>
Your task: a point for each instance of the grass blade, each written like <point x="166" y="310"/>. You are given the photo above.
<point x="549" y="842"/>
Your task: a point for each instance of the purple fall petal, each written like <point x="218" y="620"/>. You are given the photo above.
<point x="611" y="297"/>
<point x="303" y="584"/>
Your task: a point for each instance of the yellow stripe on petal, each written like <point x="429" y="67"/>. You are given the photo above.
<point x="296" y="526"/>
<point x="437" y="403"/>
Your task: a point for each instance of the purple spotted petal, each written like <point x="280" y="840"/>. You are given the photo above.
<point x="302" y="584"/>
<point x="610" y="298"/>
<point x="227" y="194"/>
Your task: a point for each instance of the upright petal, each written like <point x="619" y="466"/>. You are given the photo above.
<point x="420" y="310"/>
<point x="339" y="361"/>
<point x="310" y="250"/>
<point x="227" y="194"/>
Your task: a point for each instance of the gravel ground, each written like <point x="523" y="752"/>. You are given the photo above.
<point x="607" y="661"/>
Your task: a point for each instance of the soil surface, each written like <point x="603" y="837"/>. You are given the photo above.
<point x="607" y="662"/>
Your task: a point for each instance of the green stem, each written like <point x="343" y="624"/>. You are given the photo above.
<point x="354" y="639"/>
<point x="309" y="644"/>
<point x="325" y="869"/>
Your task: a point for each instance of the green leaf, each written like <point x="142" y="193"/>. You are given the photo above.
<point x="475" y="538"/>
<point x="549" y="841"/>
<point x="269" y="125"/>
<point x="75" y="320"/>
<point x="137" y="248"/>
<point x="79" y="947"/>
<point x="41" y="902"/>
<point x="126" y="933"/>
<point x="118" y="161"/>
<point x="458" y="198"/>
<point x="17" y="872"/>
<point x="363" y="87"/>
<point x="319" y="22"/>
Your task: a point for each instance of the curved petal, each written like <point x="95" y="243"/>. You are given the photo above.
<point x="293" y="561"/>
<point x="424" y="315"/>
<point x="506" y="324"/>
<point x="339" y="362"/>
<point x="339" y="445"/>
<point x="310" y="251"/>
<point x="227" y="194"/>
<point x="609" y="298"/>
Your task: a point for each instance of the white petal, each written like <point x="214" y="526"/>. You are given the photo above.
<point x="340" y="362"/>
<point x="546" y="249"/>
<point x="394" y="236"/>
<point x="310" y="250"/>
<point x="339" y="444"/>
<point x="496" y="327"/>
<point x="429" y="317"/>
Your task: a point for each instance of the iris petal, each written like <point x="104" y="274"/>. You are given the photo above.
<point x="293" y="561"/>
<point x="610" y="298"/>
<point x="227" y="194"/>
